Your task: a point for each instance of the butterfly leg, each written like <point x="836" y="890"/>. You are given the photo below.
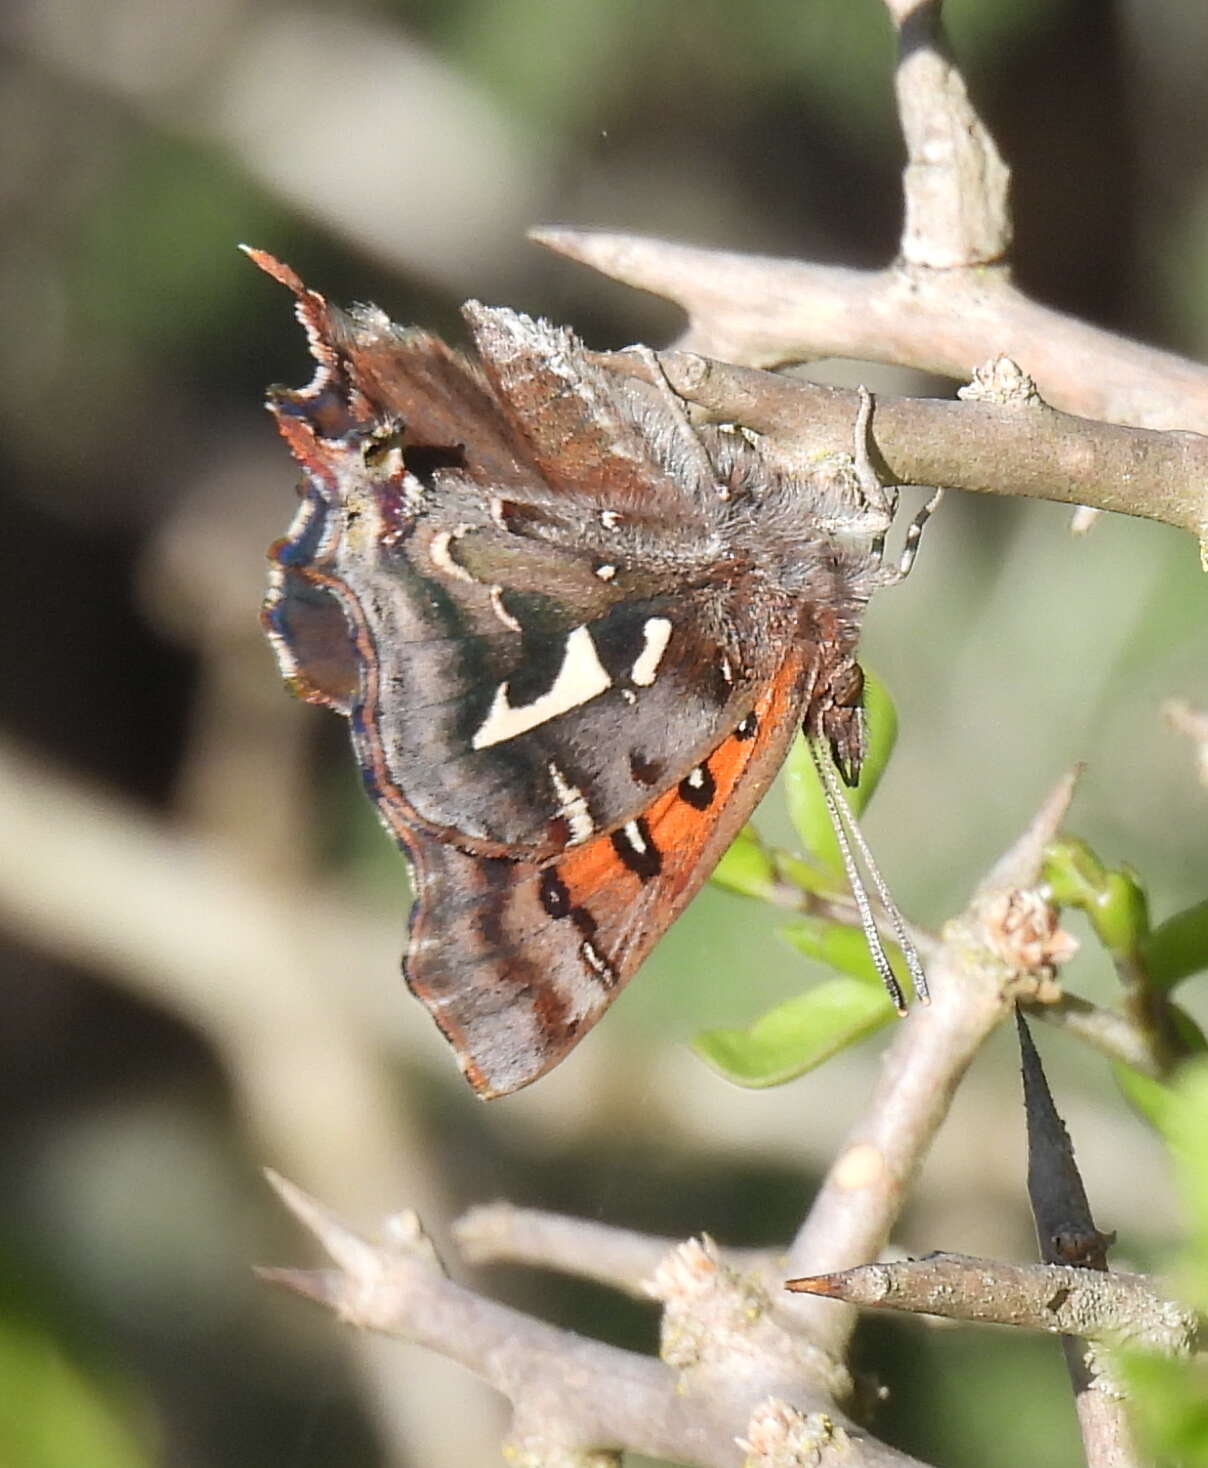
<point x="878" y="496"/>
<point x="914" y="534"/>
<point x="883" y="499"/>
<point x="693" y="446"/>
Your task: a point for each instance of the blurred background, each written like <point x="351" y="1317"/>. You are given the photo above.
<point x="201" y="921"/>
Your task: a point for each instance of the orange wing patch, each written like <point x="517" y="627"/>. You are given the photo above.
<point x="637" y="879"/>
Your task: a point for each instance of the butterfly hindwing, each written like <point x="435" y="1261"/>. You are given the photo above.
<point x="517" y="960"/>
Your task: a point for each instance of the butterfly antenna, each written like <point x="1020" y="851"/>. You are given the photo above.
<point x="848" y="835"/>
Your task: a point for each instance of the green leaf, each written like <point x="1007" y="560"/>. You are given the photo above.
<point x="1170" y="1398"/>
<point x="748" y="867"/>
<point x="1148" y="1096"/>
<point x="803" y="790"/>
<point x="1178" y="1107"/>
<point x="803" y="875"/>
<point x="1169" y="1401"/>
<point x="1178" y="947"/>
<point x="844" y="949"/>
<point x="1185" y="1126"/>
<point x="797" y="1035"/>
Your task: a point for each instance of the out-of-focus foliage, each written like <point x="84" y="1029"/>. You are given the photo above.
<point x="53" y="1414"/>
<point x="1171" y="1397"/>
<point x="803" y="1032"/>
<point x="1149" y="962"/>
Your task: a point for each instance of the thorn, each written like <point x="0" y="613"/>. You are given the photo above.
<point x="358" y="1259"/>
<point x="312" y="1284"/>
<point x="830" y="1285"/>
<point x="654" y="265"/>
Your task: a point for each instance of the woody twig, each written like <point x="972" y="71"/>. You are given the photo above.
<point x="859" y="1202"/>
<point x="1058" y="1298"/>
<point x="945" y="305"/>
<point x="738" y="1357"/>
<point x="618" y="1257"/>
<point x="731" y="1379"/>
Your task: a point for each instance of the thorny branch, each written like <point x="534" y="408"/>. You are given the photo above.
<point x="767" y="312"/>
<point x="862" y="1195"/>
<point x="1060" y="1298"/>
<point x="1015" y="448"/>
<point x="1066" y="1232"/>
<point x="946" y="305"/>
<point x="617" y="1257"/>
<point x="731" y="1345"/>
<point x="727" y="1364"/>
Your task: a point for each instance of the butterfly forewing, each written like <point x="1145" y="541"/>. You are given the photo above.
<point x="521" y="660"/>
<point x="583" y="428"/>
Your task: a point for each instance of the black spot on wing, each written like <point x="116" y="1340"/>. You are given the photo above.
<point x="698" y="788"/>
<point x="584" y="921"/>
<point x="645" y="771"/>
<point x="620" y="639"/>
<point x="635" y="847"/>
<point x="747" y="727"/>
<point x="544" y="627"/>
<point x="554" y="894"/>
<point x="555" y="898"/>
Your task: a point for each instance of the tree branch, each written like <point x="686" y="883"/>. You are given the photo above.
<point x="859" y="1202"/>
<point x="1062" y="1299"/>
<point x="1113" y="1035"/>
<point x="766" y="312"/>
<point x="945" y="306"/>
<point x="617" y="1257"/>
<point x="730" y="1372"/>
<point x="1016" y="449"/>
<point x="955" y="181"/>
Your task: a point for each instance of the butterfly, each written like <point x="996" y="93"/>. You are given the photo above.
<point x="573" y="635"/>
